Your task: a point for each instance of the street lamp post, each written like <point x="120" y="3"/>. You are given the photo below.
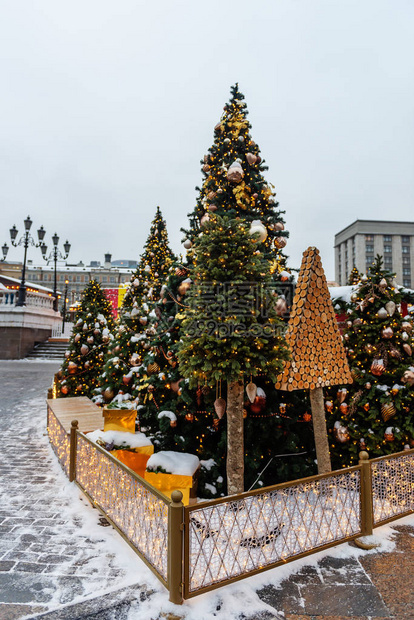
<point x="54" y="255"/>
<point x="25" y="240"/>
<point x="64" y="305"/>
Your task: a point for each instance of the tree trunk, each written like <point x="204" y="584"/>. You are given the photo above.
<point x="319" y="431"/>
<point x="235" y="439"/>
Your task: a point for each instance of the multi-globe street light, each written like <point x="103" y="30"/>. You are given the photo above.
<point x="25" y="240"/>
<point x="54" y="255"/>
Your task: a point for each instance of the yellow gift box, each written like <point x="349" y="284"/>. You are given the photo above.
<point x="119" y="419"/>
<point x="135" y="460"/>
<point x="167" y="483"/>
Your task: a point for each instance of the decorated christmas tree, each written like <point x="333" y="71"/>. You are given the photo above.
<point x="130" y="337"/>
<point x="277" y="432"/>
<point x="375" y="413"/>
<point x="354" y="277"/>
<point x="91" y="335"/>
<point x="231" y="331"/>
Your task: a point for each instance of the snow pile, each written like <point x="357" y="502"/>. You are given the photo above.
<point x="179" y="463"/>
<point x="341" y="293"/>
<point x="119" y="438"/>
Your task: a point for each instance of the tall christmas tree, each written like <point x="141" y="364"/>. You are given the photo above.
<point x="231" y="330"/>
<point x="91" y="335"/>
<point x="125" y="354"/>
<point x="277" y="430"/>
<point x="375" y="413"/>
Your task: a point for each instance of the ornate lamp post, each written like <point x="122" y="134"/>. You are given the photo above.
<point x="25" y="240"/>
<point x="4" y="249"/>
<point x="54" y="255"/>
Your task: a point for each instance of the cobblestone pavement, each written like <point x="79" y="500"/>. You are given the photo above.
<point x="50" y="554"/>
<point x="56" y="562"/>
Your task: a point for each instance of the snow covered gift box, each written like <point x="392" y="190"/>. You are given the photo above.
<point x="133" y="450"/>
<point x="118" y="417"/>
<point x="169" y="471"/>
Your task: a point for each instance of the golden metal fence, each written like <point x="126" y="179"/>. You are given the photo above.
<point x="207" y="545"/>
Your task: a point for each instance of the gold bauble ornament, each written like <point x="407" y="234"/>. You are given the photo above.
<point x="388" y="410"/>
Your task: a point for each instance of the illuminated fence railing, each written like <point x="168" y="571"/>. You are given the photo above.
<point x="140" y="514"/>
<point x="228" y="539"/>
<point x="59" y="440"/>
<point x="392" y="486"/>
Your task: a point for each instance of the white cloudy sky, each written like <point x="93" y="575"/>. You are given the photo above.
<point x="107" y="107"/>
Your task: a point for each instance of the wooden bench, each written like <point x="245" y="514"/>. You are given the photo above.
<point x="80" y="408"/>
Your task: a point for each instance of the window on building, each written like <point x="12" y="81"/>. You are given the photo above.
<point x="405" y="249"/>
<point x="406" y="271"/>
<point x="369" y="248"/>
<point x="405" y="260"/>
<point x="388" y="262"/>
<point x="407" y="282"/>
<point x="104" y="279"/>
<point x="369" y="237"/>
<point x="388" y="249"/>
<point x="369" y="260"/>
<point x="112" y="279"/>
<point x="405" y="239"/>
<point x="387" y="238"/>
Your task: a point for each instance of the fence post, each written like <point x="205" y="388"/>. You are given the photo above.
<point x="72" y="450"/>
<point x="175" y="548"/>
<point x="367" y="518"/>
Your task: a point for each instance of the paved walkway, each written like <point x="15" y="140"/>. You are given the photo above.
<point x="58" y="563"/>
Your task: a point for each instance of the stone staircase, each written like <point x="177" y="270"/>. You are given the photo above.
<point x="50" y="350"/>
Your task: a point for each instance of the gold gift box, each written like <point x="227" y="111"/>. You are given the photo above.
<point x="135" y="460"/>
<point x="167" y="483"/>
<point x="119" y="419"/>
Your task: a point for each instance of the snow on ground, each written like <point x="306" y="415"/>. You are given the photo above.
<point x="49" y="524"/>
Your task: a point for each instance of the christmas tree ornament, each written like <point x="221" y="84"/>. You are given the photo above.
<point x="189" y="417"/>
<point x="251" y="391"/>
<point x="126" y="379"/>
<point x="204" y="219"/>
<point x="251" y="158"/>
<point x="77" y="337"/>
<point x="187" y="244"/>
<point x="382" y="313"/>
<point x="341" y="433"/>
<point x="368" y="386"/>
<point x="175" y="385"/>
<point x="90" y="340"/>
<point x="226" y="141"/>
<point x="205" y="390"/>
<point x="377" y="367"/>
<point x="405" y="336"/>
<point x="240" y="139"/>
<point x="344" y="408"/>
<point x="220" y="407"/>
<point x="244" y="414"/>
<point x="387" y="333"/>
<point x="357" y="322"/>
<point x="281" y="307"/>
<point x="388" y="410"/>
<point x="366" y="406"/>
<point x="395" y="389"/>
<point x="342" y="394"/>
<point x="87" y="364"/>
<point x="390" y="307"/>
<point x="364" y="278"/>
<point x="406" y="326"/>
<point x="199" y="395"/>
<point x="64" y="389"/>
<point x="173" y="423"/>
<point x="108" y="394"/>
<point x="84" y="349"/>
<point x="408" y="377"/>
<point x="184" y="286"/>
<point x="395" y="353"/>
<point x="143" y="320"/>
<point x="307" y="417"/>
<point x="67" y="354"/>
<point x="279" y="243"/>
<point x="356" y="373"/>
<point x="369" y="348"/>
<point x="389" y="434"/>
<point x="72" y="367"/>
<point x="153" y="368"/>
<point x="257" y="227"/>
<point x="206" y="168"/>
<point x="329" y="406"/>
<point x="96" y="331"/>
<point x="407" y="348"/>
<point x="279" y="226"/>
<point x="362" y="444"/>
<point x="383" y="283"/>
<point x="85" y="327"/>
<point x="235" y="173"/>
<point x="354" y="297"/>
<point x="212" y="208"/>
<point x="282" y="408"/>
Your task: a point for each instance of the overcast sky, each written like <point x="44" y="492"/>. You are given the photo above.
<point x="107" y="107"/>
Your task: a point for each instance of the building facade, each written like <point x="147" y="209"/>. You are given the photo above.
<point x="359" y="243"/>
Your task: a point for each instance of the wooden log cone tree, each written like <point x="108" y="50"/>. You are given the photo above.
<point x="318" y="356"/>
